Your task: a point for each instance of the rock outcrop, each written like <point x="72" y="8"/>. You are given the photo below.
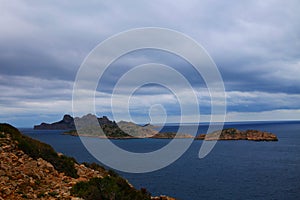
<point x="22" y="177"/>
<point x="137" y="131"/>
<point x="234" y="134"/>
<point x="67" y="123"/>
<point x="25" y="177"/>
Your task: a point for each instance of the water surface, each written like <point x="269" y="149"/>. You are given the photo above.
<point x="233" y="170"/>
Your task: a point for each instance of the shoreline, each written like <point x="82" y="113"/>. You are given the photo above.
<point x="128" y="130"/>
<point x="125" y="137"/>
<point x="224" y="135"/>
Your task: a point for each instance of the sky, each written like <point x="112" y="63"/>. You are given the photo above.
<point x="254" y="44"/>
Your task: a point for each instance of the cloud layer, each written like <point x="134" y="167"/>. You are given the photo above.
<point x="255" y="44"/>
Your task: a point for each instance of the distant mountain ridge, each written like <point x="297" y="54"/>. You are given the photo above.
<point x="67" y="123"/>
<point x="87" y="126"/>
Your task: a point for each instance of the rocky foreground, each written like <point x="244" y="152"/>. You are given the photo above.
<point x="30" y="169"/>
<point x="235" y="134"/>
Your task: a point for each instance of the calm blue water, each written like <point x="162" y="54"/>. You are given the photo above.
<point x="233" y="170"/>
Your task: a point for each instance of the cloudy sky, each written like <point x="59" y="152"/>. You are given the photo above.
<point x="255" y="45"/>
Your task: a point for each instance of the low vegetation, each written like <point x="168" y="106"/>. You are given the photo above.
<point x="110" y="187"/>
<point x="96" y="167"/>
<point x="107" y="188"/>
<point x="110" y="130"/>
<point x="37" y="149"/>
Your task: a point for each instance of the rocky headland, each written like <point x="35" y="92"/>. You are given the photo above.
<point x="85" y="126"/>
<point x="65" y="124"/>
<point x="235" y="134"/>
<point x="30" y="169"/>
<point x="68" y="123"/>
<point x="130" y="130"/>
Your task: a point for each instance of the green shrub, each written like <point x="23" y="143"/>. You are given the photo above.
<point x="108" y="188"/>
<point x="113" y="173"/>
<point x="40" y="195"/>
<point x="53" y="194"/>
<point x="94" y="166"/>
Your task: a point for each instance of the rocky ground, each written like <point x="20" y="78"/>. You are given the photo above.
<point x="22" y="177"/>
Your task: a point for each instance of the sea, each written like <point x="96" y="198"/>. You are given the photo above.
<point x="232" y="170"/>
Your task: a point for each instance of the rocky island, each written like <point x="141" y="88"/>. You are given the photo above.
<point x="67" y="123"/>
<point x="111" y="129"/>
<point x="234" y="134"/>
<point x="130" y="130"/>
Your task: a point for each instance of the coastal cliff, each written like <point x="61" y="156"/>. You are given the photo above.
<point x="234" y="134"/>
<point x="30" y="169"/>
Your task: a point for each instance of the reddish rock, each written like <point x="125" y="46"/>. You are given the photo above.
<point x="22" y="177"/>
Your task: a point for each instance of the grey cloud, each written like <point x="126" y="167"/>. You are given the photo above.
<point x="255" y="44"/>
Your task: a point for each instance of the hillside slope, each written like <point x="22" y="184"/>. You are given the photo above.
<point x="30" y="169"/>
